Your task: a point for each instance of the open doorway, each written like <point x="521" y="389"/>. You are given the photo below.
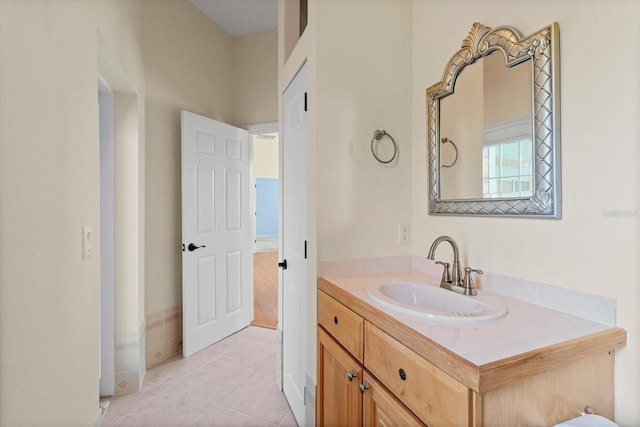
<point x="265" y="162"/>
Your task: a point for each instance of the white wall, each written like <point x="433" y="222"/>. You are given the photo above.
<point x="586" y="250"/>
<point x="265" y="157"/>
<point x="188" y="65"/>
<point x="50" y="56"/>
<point x="49" y="181"/>
<point x="194" y="65"/>
<point x="255" y="78"/>
<point x="363" y="84"/>
<point x="358" y="81"/>
<point x="129" y="314"/>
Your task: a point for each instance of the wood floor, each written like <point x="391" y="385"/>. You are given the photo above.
<point x="265" y="289"/>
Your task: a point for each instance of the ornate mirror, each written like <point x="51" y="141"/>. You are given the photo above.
<point x="493" y="126"/>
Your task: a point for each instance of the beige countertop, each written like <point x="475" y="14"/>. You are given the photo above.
<point x="482" y="355"/>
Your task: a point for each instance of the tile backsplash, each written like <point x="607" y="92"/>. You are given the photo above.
<point x="352" y="267"/>
<point x="587" y="306"/>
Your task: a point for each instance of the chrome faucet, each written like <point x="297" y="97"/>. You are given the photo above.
<point x="453" y="280"/>
<point x="448" y="279"/>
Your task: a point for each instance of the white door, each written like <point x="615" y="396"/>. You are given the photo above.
<point x="294" y="219"/>
<point x="217" y="264"/>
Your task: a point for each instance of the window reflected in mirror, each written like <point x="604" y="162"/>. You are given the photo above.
<point x="507" y="169"/>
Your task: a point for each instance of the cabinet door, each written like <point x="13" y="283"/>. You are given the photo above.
<point x="339" y="399"/>
<point x="381" y="409"/>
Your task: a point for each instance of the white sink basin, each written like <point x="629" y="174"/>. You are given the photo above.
<point x="434" y="303"/>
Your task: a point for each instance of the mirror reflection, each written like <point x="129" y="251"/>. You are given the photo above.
<point x="488" y="119"/>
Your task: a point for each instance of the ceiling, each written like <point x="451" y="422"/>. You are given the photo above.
<point x="241" y="17"/>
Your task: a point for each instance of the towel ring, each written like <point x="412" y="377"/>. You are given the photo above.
<point x="377" y="136"/>
<point x="444" y="141"/>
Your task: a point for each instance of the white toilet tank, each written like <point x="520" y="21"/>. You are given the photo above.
<point x="588" y="420"/>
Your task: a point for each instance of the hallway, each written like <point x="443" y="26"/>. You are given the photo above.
<point x="231" y="383"/>
<point x="265" y="289"/>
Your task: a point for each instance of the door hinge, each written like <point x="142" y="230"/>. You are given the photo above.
<point x="305" y="101"/>
<point x="305" y="249"/>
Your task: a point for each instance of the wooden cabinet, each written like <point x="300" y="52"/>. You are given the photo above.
<point x="381" y="409"/>
<point x="409" y="380"/>
<point x="343" y="324"/>
<point x="339" y="374"/>
<point x="431" y="394"/>
<point x="348" y="395"/>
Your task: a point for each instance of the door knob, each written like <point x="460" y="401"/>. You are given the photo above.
<point x="193" y="247"/>
<point x="283" y="264"/>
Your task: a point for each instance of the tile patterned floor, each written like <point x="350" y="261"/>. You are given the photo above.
<point x="231" y="383"/>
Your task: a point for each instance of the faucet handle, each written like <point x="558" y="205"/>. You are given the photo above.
<point x="446" y="275"/>
<point x="469" y="288"/>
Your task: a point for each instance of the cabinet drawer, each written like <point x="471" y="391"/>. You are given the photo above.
<point x="436" y="398"/>
<point x="343" y="324"/>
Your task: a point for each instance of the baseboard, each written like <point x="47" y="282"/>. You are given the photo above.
<point x="279" y="358"/>
<point x="99" y="418"/>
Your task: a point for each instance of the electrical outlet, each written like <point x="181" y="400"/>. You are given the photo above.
<point x="404" y="233"/>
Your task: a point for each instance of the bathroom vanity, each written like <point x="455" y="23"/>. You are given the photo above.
<point x="377" y="366"/>
<point x="503" y="362"/>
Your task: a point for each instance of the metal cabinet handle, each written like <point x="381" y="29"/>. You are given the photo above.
<point x="363" y="388"/>
<point x="351" y="376"/>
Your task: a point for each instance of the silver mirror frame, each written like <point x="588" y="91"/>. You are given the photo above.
<point x="542" y="48"/>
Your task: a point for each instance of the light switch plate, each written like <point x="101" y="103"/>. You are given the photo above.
<point x="87" y="241"/>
